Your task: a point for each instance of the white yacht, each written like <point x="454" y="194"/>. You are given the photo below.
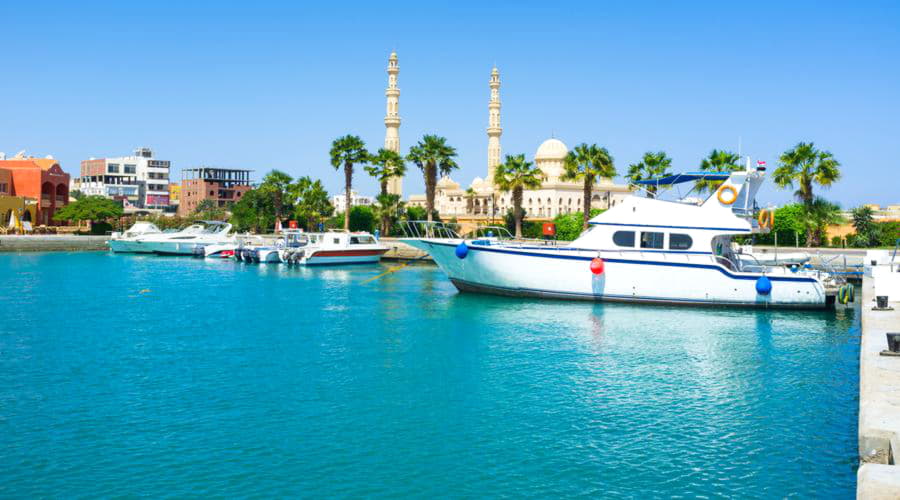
<point x="126" y="242"/>
<point x="645" y="250"/>
<point x="189" y="241"/>
<point x="330" y="248"/>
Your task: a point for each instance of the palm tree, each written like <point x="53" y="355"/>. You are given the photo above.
<point x="278" y="183"/>
<point x="806" y="165"/>
<point x="819" y="214"/>
<point x="384" y="165"/>
<point x="388" y="207"/>
<point x="470" y="200"/>
<point x="718" y="160"/>
<point x="588" y="164"/>
<point x="652" y="166"/>
<point x="347" y="151"/>
<point x="433" y="157"/>
<point x="864" y="224"/>
<point x="515" y="174"/>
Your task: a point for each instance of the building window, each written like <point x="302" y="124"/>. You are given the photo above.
<point x="112" y="168"/>
<point x="680" y="241"/>
<point x="652" y="240"/>
<point x="130" y="169"/>
<point x="624" y="238"/>
<point x="3" y="187"/>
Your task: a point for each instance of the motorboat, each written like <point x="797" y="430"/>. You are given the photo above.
<point x="330" y="248"/>
<point x="125" y="242"/>
<point x="191" y="240"/>
<point x="220" y="251"/>
<point x="644" y="249"/>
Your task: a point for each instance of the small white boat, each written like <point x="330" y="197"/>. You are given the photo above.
<point x="191" y="240"/>
<point x="330" y="248"/>
<point x="126" y="242"/>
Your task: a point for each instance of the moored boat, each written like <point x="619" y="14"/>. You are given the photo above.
<point x="189" y="241"/>
<point x="331" y="248"/>
<point x="125" y="242"/>
<point x="644" y="250"/>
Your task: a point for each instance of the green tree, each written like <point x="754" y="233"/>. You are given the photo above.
<point x="90" y="208"/>
<point x="805" y="165"/>
<point x="433" y="157"/>
<point x="864" y="224"/>
<point x="209" y="210"/>
<point x="77" y="194"/>
<point x="311" y="203"/>
<point x="346" y="152"/>
<point x="570" y="226"/>
<point x="255" y="211"/>
<point x="818" y="215"/>
<point x="652" y="166"/>
<point x="514" y="175"/>
<point x="388" y="209"/>
<point x="385" y="165"/>
<point x="279" y="184"/>
<point x="362" y="218"/>
<point x="588" y="164"/>
<point x="718" y="160"/>
<point x="470" y="200"/>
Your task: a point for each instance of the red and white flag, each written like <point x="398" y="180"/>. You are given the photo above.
<point x="761" y="163"/>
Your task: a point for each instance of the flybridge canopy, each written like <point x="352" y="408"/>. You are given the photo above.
<point x="685" y="177"/>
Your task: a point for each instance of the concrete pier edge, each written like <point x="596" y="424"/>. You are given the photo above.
<point x="879" y="401"/>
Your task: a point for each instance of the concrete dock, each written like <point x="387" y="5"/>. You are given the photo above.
<point x="52" y="243"/>
<point x="402" y="251"/>
<point x="879" y="399"/>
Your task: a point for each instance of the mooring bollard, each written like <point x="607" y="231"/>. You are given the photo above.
<point x="893" y="342"/>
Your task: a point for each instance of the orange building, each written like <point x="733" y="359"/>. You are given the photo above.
<point x="40" y="179"/>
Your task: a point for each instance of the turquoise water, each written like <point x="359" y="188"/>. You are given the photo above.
<point x="223" y="379"/>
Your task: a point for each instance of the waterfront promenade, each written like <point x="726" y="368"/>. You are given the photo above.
<point x="879" y="400"/>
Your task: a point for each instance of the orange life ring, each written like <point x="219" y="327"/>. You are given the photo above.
<point x="766" y="218"/>
<point x="734" y="194"/>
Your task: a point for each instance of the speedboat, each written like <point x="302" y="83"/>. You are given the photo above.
<point x="331" y="248"/>
<point x="126" y="242"/>
<point x="189" y="241"/>
<point x="644" y="250"/>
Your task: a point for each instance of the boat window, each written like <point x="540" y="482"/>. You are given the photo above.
<point x="624" y="238"/>
<point x="680" y="241"/>
<point x="337" y="241"/>
<point x="652" y="240"/>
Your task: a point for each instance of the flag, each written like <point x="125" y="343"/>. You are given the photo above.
<point x="761" y="163"/>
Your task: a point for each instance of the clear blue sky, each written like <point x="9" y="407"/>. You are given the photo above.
<point x="270" y="85"/>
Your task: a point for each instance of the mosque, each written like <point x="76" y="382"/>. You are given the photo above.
<point x="482" y="199"/>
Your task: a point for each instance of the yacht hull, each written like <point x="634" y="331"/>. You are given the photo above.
<point x="642" y="277"/>
<point x="127" y="246"/>
<point x="338" y="257"/>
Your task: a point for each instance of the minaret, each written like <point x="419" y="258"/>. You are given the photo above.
<point x="392" y="120"/>
<point x="494" y="131"/>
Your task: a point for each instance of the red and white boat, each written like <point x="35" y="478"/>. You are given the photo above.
<point x="330" y="248"/>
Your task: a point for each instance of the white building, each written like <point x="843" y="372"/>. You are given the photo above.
<point x="554" y="197"/>
<point x="339" y="201"/>
<point x="140" y="180"/>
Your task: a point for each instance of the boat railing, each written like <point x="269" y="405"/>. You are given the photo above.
<point x="429" y="229"/>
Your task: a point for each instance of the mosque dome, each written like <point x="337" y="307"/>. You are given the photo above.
<point x="477" y="183"/>
<point x="551" y="149"/>
<point x="447" y="183"/>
